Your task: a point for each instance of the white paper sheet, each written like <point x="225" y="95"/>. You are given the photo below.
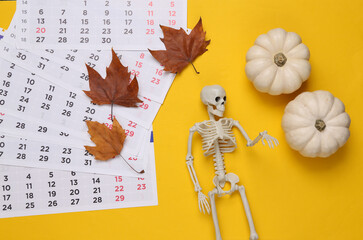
<point x="97" y="24"/>
<point x="31" y="191"/>
<point x="51" y="113"/>
<point x="19" y="151"/>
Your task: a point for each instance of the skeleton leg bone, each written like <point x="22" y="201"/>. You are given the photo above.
<point x="253" y="234"/>
<point x="212" y="195"/>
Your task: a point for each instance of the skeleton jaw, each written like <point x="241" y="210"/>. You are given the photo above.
<point x="216" y="111"/>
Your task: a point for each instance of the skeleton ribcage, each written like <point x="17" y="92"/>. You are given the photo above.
<point x="217" y="130"/>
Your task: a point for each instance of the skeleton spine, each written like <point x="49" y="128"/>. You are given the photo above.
<point x="219" y="165"/>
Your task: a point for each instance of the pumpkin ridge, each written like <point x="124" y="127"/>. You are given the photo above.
<point x="290" y="109"/>
<point x="290" y="36"/>
<point x="272" y="40"/>
<point x="336" y="140"/>
<point x="345" y="129"/>
<point x="273" y="79"/>
<point x="254" y="49"/>
<point x="339" y="127"/>
<point x="300" y="62"/>
<point x="278" y="80"/>
<point x="304" y="100"/>
<point x="331" y="121"/>
<point x="321" y="147"/>
<point x="289" y="52"/>
<point x="263" y="47"/>
<point x="300" y="119"/>
<point x="331" y="109"/>
<point x="298" y="128"/>
<point x="284" y="40"/>
<point x="274" y="43"/>
<point x="265" y="64"/>
<point x="309" y="141"/>
<point x="311" y="113"/>
<point x="293" y="132"/>
<point x="299" y="82"/>
<point x="321" y="95"/>
<point x="263" y="72"/>
<point x="316" y="99"/>
<point x="294" y="68"/>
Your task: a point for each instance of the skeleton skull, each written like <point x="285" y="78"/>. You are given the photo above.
<point x="214" y="97"/>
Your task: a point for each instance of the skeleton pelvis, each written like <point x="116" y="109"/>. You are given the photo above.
<point x="229" y="177"/>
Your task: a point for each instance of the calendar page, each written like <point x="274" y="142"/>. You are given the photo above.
<point x="76" y="82"/>
<point x="51" y="118"/>
<point x="20" y="151"/>
<point x="35" y="99"/>
<point x="63" y="79"/>
<point x="97" y="24"/>
<point x="41" y="134"/>
<point x="154" y="83"/>
<point x="31" y="191"/>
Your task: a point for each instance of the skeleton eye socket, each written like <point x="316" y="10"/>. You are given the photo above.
<point x="217" y="99"/>
<point x="224" y="98"/>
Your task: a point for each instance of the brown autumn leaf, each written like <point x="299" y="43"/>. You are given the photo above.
<point x="181" y="48"/>
<point x="115" y="88"/>
<point x="109" y="142"/>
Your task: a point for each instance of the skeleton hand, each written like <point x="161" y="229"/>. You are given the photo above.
<point x="270" y="140"/>
<point x="203" y="202"/>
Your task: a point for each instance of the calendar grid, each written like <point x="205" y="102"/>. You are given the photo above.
<point x="31" y="191"/>
<point x="125" y="25"/>
<point x="44" y="167"/>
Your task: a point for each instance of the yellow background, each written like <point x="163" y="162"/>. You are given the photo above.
<point x="291" y="197"/>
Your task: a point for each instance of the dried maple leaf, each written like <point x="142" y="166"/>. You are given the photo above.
<point x="181" y="48"/>
<point x="116" y="88"/>
<point x="109" y="142"/>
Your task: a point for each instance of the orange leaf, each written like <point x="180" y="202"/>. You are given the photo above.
<point x="181" y="48"/>
<point x="109" y="142"/>
<point x="116" y="88"/>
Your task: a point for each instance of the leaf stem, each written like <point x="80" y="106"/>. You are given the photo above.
<point x="194" y="68"/>
<point x="112" y="111"/>
<point x="142" y="171"/>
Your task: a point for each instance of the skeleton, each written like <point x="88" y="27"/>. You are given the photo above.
<point x="217" y="138"/>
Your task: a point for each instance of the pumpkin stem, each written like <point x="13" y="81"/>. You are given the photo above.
<point x="320" y="125"/>
<point x="280" y="59"/>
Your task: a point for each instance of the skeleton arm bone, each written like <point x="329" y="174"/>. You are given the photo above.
<point x="262" y="135"/>
<point x="202" y="199"/>
<point x="250" y="143"/>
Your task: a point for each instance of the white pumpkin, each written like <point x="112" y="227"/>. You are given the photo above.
<point x="278" y="62"/>
<point x="316" y="124"/>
